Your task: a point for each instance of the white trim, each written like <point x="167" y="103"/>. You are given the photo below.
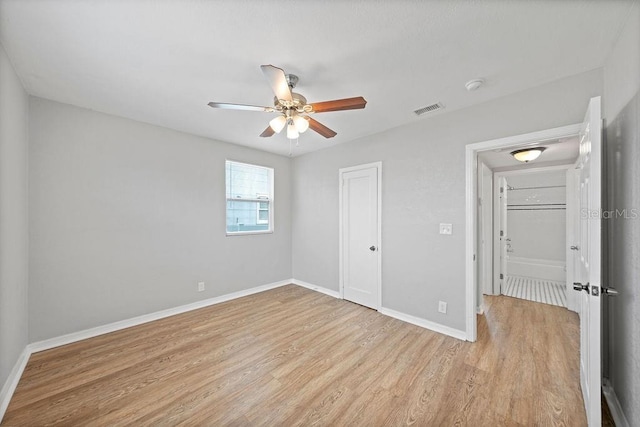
<point x="424" y="323"/>
<point x="313" y="287"/>
<point x="270" y="199"/>
<point x="614" y="405"/>
<point x="139" y="320"/>
<point x="418" y="321"/>
<point x="12" y="381"/>
<point x="341" y="171"/>
<point x="471" y="208"/>
<point x="542" y="169"/>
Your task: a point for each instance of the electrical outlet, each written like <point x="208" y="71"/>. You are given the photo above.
<point x="446" y="228"/>
<point x="442" y="307"/>
<point x="200" y="286"/>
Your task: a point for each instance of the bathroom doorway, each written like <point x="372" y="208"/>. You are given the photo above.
<point x="532" y="224"/>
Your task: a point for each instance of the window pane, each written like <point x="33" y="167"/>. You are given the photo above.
<point x="247" y="181"/>
<point x="241" y="216"/>
<point x="249" y="191"/>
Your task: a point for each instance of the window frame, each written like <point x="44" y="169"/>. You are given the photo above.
<point x="260" y="198"/>
<point x="259" y="209"/>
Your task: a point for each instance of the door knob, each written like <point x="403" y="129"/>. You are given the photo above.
<point x="372" y="248"/>
<point x="574" y="248"/>
<point x="580" y="287"/>
<point x="610" y="292"/>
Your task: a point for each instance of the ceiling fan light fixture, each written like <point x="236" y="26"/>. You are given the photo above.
<point x="278" y="123"/>
<point x="527" y="155"/>
<point x="301" y="124"/>
<point x="292" y="132"/>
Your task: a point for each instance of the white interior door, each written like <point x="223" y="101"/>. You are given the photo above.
<point x="485" y="222"/>
<point x="573" y="236"/>
<point x="360" y="234"/>
<point x="499" y="228"/>
<point x="589" y="284"/>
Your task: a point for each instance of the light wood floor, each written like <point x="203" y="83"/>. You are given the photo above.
<point x="291" y="356"/>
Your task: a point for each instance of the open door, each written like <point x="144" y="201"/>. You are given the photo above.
<point x="501" y="240"/>
<point x="588" y="252"/>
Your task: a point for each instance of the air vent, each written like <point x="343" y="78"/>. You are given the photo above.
<point x="429" y="108"/>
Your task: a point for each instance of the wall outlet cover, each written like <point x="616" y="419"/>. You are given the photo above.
<point x="446" y="228"/>
<point x="200" y="286"/>
<point x="442" y="307"/>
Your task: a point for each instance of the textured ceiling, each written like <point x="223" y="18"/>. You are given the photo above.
<point x="161" y="62"/>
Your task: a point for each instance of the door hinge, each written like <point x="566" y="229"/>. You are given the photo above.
<point x="501" y="276"/>
<point x="501" y="233"/>
<point x="501" y="189"/>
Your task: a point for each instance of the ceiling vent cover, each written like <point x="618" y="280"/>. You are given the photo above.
<point x="429" y="108"/>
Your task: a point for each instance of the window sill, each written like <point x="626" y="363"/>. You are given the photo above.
<point x="248" y="233"/>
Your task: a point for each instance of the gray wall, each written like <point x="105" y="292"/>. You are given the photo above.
<point x="423" y="184"/>
<point x="14" y="109"/>
<point x="126" y="218"/>
<point x="622" y="112"/>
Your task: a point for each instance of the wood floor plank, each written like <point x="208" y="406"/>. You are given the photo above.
<point x="291" y="356"/>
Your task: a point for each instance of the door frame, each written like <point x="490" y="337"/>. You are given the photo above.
<point x="471" y="209"/>
<point x="341" y="172"/>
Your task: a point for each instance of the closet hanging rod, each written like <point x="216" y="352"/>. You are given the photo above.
<point x="535" y="188"/>
<point x="537" y="204"/>
<point x="539" y="209"/>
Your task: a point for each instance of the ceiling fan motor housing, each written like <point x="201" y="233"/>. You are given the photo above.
<point x="298" y="104"/>
<point x="292" y="80"/>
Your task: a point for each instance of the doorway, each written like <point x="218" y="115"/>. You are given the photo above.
<point x="472" y="154"/>
<point x="360" y="234"/>
<point x="532" y="235"/>
<point x="588" y="247"/>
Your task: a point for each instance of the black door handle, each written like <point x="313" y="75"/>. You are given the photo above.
<point x="372" y="248"/>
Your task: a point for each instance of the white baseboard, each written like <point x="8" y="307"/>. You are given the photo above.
<point x="12" y="381"/>
<point x="123" y="324"/>
<point x="614" y="405"/>
<point x="424" y="323"/>
<point x="313" y="287"/>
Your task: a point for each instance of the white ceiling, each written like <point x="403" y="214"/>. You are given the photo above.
<point x="161" y="62"/>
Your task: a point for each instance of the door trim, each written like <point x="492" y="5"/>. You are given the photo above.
<point x="471" y="209"/>
<point x="341" y="172"/>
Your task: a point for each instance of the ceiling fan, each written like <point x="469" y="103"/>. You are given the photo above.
<point x="292" y="108"/>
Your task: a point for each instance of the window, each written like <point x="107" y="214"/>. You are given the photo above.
<point x="249" y="198"/>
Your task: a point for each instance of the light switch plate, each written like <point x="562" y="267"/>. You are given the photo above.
<point x="446" y="228"/>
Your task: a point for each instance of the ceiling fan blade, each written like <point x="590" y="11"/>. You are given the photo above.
<point x="339" y="104"/>
<point x="320" y="128"/>
<point x="278" y="82"/>
<point x="227" y="106"/>
<point x="267" y="132"/>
